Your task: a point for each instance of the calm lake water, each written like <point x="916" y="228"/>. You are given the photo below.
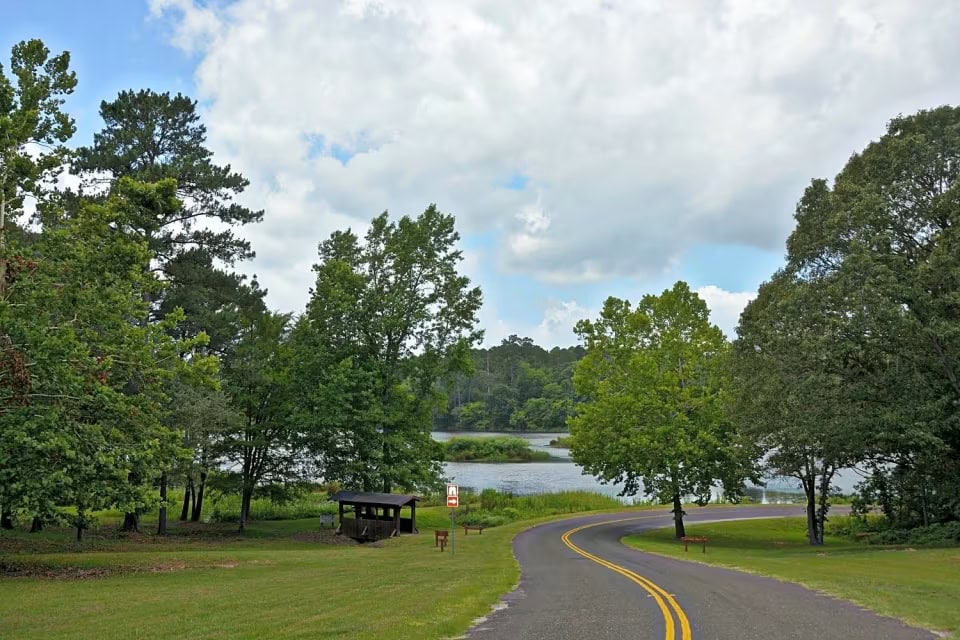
<point x="558" y="475"/>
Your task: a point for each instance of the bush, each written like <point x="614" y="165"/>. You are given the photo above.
<point x="482" y="518"/>
<point x="563" y="442"/>
<point x="496" y="449"/>
<point x="880" y="532"/>
<point x="936" y="535"/>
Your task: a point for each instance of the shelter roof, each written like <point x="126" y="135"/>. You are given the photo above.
<point x="377" y="499"/>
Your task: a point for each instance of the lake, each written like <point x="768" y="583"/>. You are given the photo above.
<point x="558" y="475"/>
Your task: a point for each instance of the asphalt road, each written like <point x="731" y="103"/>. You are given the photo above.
<point x="620" y="593"/>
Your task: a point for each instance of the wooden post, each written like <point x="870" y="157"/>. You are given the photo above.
<point x="396" y="519"/>
<point x="413" y="516"/>
<point x="340" y="521"/>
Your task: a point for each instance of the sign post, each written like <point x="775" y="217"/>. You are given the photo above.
<point x="453" y="501"/>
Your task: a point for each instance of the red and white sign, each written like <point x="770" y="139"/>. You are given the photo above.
<point x="453" y="496"/>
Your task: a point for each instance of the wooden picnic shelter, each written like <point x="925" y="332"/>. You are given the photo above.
<point x="375" y="515"/>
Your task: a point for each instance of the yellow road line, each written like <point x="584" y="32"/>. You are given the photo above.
<point x="661" y="597"/>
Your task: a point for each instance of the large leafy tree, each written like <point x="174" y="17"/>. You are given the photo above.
<point x="388" y="319"/>
<point x="150" y="136"/>
<point x="654" y="418"/>
<point x="262" y="445"/>
<point x="33" y="129"/>
<point x="793" y="369"/>
<point x="889" y="228"/>
<point x="84" y="405"/>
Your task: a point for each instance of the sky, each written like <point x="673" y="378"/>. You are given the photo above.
<point x="588" y="148"/>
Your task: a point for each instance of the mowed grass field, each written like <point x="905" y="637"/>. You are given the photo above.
<point x="920" y="586"/>
<point x="279" y="581"/>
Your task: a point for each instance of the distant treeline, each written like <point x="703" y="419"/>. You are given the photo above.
<point x="515" y="386"/>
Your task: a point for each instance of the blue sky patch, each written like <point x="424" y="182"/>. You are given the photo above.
<point x="516" y="182"/>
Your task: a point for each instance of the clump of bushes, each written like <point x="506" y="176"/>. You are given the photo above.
<point x="875" y="529"/>
<point x="496" y="449"/>
<point x="562" y="442"/>
<point x="936" y="535"/>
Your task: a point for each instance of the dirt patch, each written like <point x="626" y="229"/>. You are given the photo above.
<point x="10" y="569"/>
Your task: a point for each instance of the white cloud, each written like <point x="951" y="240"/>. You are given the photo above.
<point x="645" y="128"/>
<point x="725" y="306"/>
<point x="560" y="317"/>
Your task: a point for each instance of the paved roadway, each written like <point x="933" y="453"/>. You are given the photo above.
<point x="592" y="587"/>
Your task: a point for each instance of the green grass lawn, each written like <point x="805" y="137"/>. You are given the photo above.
<point x="278" y="581"/>
<point x="920" y="586"/>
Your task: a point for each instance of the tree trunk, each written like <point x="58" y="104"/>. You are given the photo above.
<point x="6" y="520"/>
<point x="81" y="523"/>
<point x="809" y="489"/>
<point x="198" y="501"/>
<point x="923" y="502"/>
<point x="823" y="506"/>
<point x="678" y="528"/>
<point x="245" y="507"/>
<point x="185" y="511"/>
<point x="3" y="233"/>
<point x="36" y="526"/>
<point x="162" y="517"/>
<point x="131" y="521"/>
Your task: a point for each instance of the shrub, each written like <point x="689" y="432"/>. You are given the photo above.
<point x="496" y="449"/>
<point x="936" y="535"/>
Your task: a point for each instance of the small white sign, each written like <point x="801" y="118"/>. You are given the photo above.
<point x="453" y="491"/>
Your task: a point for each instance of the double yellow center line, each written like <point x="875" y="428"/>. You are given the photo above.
<point x="669" y="607"/>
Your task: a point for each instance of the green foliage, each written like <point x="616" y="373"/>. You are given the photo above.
<point x="226" y="507"/>
<point x="388" y="319"/>
<point x="89" y="411"/>
<point x="30" y="119"/>
<point x="850" y="353"/>
<point x="654" y="416"/>
<point x="563" y="442"/>
<point x="257" y="379"/>
<point x="791" y="389"/>
<point x="497" y="449"/>
<point x="153" y="136"/>
<point x="515" y="386"/>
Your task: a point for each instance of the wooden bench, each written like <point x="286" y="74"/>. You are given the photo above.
<point x="440" y="537"/>
<point x="473" y="527"/>
<point x="686" y="540"/>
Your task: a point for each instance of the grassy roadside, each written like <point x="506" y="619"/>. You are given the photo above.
<point x="920" y="586"/>
<point x="278" y="581"/>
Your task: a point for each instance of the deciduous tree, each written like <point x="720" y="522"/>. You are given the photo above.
<point x="654" y="414"/>
<point x="388" y="318"/>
